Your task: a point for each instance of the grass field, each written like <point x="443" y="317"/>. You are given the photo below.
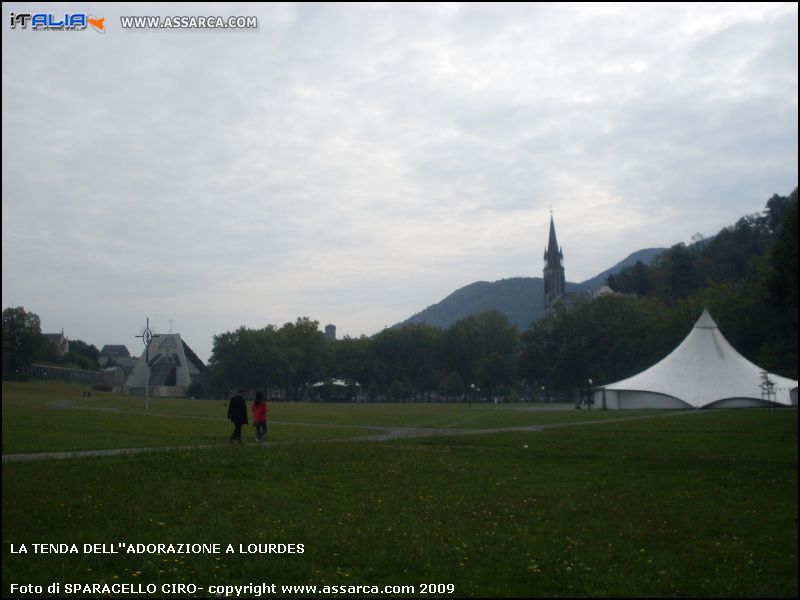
<point x="702" y="504"/>
<point x="117" y="421"/>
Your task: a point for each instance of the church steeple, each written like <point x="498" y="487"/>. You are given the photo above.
<point x="553" y="270"/>
<point x="552" y="254"/>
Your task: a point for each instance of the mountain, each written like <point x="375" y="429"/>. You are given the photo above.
<point x="646" y="256"/>
<point x="521" y="299"/>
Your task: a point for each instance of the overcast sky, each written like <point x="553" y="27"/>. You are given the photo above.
<point x="358" y="163"/>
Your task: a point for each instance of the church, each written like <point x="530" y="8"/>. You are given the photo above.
<point x="555" y="294"/>
<point x="553" y="272"/>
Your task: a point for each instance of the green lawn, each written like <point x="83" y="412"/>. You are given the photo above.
<point x="703" y="504"/>
<point x="47" y="417"/>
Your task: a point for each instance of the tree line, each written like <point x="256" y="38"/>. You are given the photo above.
<point x="402" y="363"/>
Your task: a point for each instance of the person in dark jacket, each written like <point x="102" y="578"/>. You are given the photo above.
<point x="237" y="413"/>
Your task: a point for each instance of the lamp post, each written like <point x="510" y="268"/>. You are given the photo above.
<point x="472" y="393"/>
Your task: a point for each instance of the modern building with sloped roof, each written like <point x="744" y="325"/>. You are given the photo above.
<point x="167" y="368"/>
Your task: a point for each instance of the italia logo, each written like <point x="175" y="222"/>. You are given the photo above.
<point x="53" y="22"/>
<point x="98" y="24"/>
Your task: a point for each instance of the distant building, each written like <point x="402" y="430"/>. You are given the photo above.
<point x="554" y="279"/>
<point x="117" y="354"/>
<point x="607" y="291"/>
<point x="59" y="340"/>
<point x="117" y="360"/>
<point x="330" y="332"/>
<point x="172" y="367"/>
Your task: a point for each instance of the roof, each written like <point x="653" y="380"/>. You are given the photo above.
<point x="336" y="382"/>
<point x="117" y="351"/>
<point x="705" y="369"/>
<point x="193" y="358"/>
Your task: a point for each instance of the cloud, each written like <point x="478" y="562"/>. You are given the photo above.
<point x="356" y="164"/>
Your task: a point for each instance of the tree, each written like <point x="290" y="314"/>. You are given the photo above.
<point x="397" y="391"/>
<point x="783" y="259"/>
<point x="452" y="386"/>
<point x="492" y="372"/>
<point x="22" y="339"/>
<point x="675" y="274"/>
<point x="306" y="351"/>
<point x="409" y="355"/>
<point x="289" y="357"/>
<point x="248" y="357"/>
<point x="352" y="359"/>
<point x="570" y="370"/>
<point x="532" y="365"/>
<point x="83" y="355"/>
<point x="781" y="296"/>
<point x="468" y="341"/>
<point x="776" y="207"/>
<point x="632" y="280"/>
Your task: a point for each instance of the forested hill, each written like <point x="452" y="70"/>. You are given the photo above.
<point x="740" y="255"/>
<point x="645" y="256"/>
<point x="521" y="299"/>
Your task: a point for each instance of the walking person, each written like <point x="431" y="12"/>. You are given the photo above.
<point x="259" y="409"/>
<point x="237" y="413"/>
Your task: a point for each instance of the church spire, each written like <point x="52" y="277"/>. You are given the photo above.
<point x="553" y="255"/>
<point x="554" y="280"/>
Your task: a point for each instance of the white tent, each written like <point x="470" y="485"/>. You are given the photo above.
<point x="704" y="371"/>
<point x="336" y="382"/>
<point x="173" y="365"/>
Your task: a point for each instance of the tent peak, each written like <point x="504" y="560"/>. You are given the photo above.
<point x="705" y="321"/>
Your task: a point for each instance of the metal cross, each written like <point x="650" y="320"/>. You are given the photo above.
<point x="147" y="337"/>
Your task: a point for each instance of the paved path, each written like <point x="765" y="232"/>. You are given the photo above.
<point x="383" y="434"/>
